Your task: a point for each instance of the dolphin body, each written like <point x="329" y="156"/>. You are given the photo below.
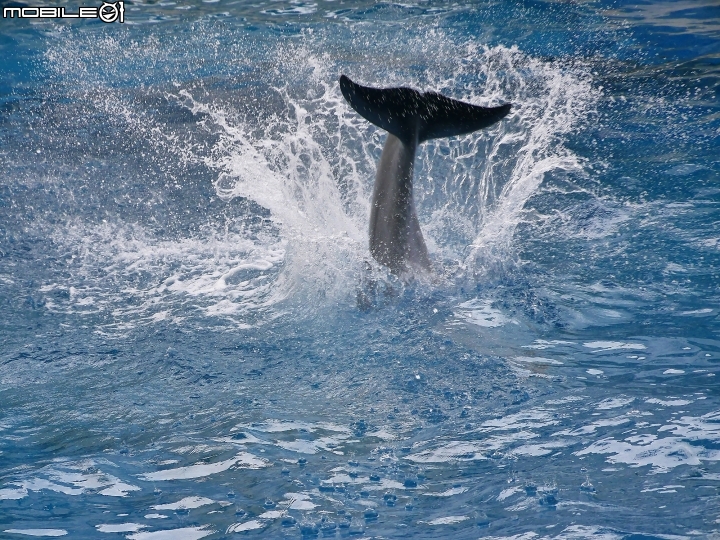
<point x="410" y="118"/>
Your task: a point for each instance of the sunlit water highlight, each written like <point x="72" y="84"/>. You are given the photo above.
<point x="196" y="343"/>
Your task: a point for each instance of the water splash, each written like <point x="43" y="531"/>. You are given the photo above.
<point x="286" y="140"/>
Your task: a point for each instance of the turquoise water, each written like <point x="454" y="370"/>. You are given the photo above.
<point x="196" y="344"/>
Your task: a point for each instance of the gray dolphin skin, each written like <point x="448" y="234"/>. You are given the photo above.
<point x="410" y="118"/>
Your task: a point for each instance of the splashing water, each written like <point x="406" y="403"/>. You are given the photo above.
<point x="196" y="342"/>
<point x="298" y="151"/>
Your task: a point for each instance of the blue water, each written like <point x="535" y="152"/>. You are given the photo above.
<point x="196" y="344"/>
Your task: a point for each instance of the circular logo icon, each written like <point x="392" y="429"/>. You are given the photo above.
<point x="109" y="13"/>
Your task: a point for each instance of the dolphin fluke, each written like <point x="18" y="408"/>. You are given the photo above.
<point x="410" y="117"/>
<point x="405" y="112"/>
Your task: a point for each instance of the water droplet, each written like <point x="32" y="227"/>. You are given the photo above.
<point x="370" y="514"/>
<point x="587" y="486"/>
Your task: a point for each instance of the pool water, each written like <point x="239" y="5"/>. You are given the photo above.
<point x="196" y="342"/>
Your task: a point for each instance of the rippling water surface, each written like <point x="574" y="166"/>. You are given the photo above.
<point x="195" y="343"/>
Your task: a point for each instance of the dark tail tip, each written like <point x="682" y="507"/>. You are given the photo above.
<point x="346" y="86"/>
<point x="407" y="113"/>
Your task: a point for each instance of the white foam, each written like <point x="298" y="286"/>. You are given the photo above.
<point x="38" y="532"/>
<point x="120" y="527"/>
<point x="119" y="489"/>
<point x="583" y="532"/>
<point x="706" y="427"/>
<point x="13" y="493"/>
<point x="541" y="344"/>
<point x="243" y="459"/>
<point x="663" y="454"/>
<point x="449" y="520"/>
<point x="384" y="485"/>
<point x="452" y="451"/>
<point x="341" y="478"/>
<point x="301" y="446"/>
<point x="196" y="267"/>
<point x="505" y="493"/>
<point x="521" y="536"/>
<point x="664" y="489"/>
<point x="531" y="418"/>
<point x="481" y="313"/>
<point x="311" y="166"/>
<point x="471" y="450"/>
<point x="541" y="449"/>
<point x="301" y="9"/>
<point x="549" y="111"/>
<point x="246" y="526"/>
<point x="383" y="434"/>
<point x="566" y="399"/>
<point x="641" y="439"/>
<point x="703" y="311"/>
<point x="279" y="426"/>
<point x="669" y="402"/>
<point x="602" y="346"/>
<point x="184" y="504"/>
<point x="447" y="493"/>
<point x="289" y="172"/>
<point x="537" y="360"/>
<point x="304" y="446"/>
<point x="672" y="371"/>
<point x="183" y="533"/>
<point x="73" y="481"/>
<point x="38" y="484"/>
<point x="298" y="501"/>
<point x="593" y="426"/>
<point x="272" y="514"/>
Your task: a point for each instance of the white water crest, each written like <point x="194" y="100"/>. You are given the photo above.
<point x="294" y="147"/>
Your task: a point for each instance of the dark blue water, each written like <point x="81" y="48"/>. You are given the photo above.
<point x="195" y="345"/>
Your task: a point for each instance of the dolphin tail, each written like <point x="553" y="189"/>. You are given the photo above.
<point x="407" y="113"/>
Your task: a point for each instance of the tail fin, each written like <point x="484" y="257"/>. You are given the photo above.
<point x="404" y="111"/>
